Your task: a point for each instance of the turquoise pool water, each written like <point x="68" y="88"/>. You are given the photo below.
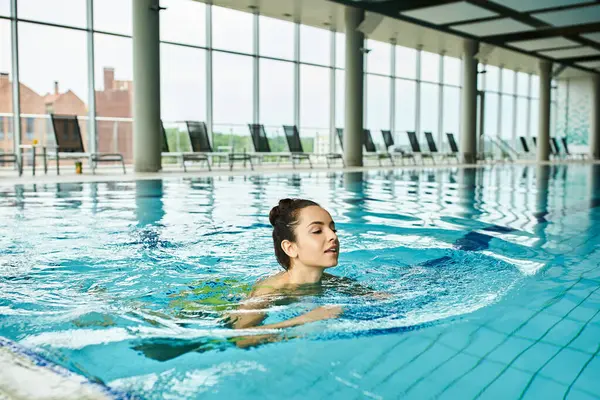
<point x="492" y="275"/>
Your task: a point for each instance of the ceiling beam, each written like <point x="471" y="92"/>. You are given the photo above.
<point x="580" y="59"/>
<point x="509" y="13"/>
<point x="584" y="41"/>
<point x="544" y="30"/>
<point x="473" y="21"/>
<point x="563" y="8"/>
<point x="409" y="5"/>
<point x="543" y="33"/>
<point x="394" y="7"/>
<point x="524" y="14"/>
<point x="577" y="46"/>
<point x="387" y="10"/>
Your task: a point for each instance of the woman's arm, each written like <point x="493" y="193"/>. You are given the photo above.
<point x="353" y="288"/>
<point x="251" y="313"/>
<point x="318" y="314"/>
<point x="263" y="295"/>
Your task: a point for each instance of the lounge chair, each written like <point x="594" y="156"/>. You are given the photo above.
<point x="453" y="146"/>
<point x="485" y="148"/>
<point x="295" y="145"/>
<point x="69" y="144"/>
<point x="329" y="157"/>
<point x="369" y="146"/>
<point x="434" y="150"/>
<point x="388" y="139"/>
<point x="524" y="145"/>
<point x="506" y="152"/>
<point x="372" y="150"/>
<point x="201" y="145"/>
<point x="181" y="156"/>
<point x="555" y="148"/>
<point x="262" y="148"/>
<point x="569" y="154"/>
<point x="512" y="152"/>
<point x="416" y="147"/>
<point x="13" y="159"/>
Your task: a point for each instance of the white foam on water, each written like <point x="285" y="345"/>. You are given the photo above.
<point x="22" y="378"/>
<point x="414" y="318"/>
<point x="186" y="384"/>
<point x="526" y="267"/>
<point x="77" y="338"/>
<point x="80" y="338"/>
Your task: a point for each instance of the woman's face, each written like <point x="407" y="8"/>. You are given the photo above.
<point x="317" y="243"/>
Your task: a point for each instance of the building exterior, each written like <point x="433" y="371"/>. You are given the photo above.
<point x="112" y="102"/>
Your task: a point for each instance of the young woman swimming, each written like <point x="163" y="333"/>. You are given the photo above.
<point x="306" y="244"/>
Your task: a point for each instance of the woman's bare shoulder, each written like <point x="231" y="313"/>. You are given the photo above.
<point x="269" y="285"/>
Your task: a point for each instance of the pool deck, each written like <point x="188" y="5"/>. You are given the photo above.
<point x="9" y="176"/>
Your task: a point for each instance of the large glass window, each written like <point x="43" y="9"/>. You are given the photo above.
<point x="406" y="62"/>
<point x="340" y="100"/>
<point x="429" y="108"/>
<point x="405" y="105"/>
<point x="5" y="7"/>
<point x="522" y="84"/>
<point x="492" y="78"/>
<point x="507" y="117"/>
<point x="182" y="83"/>
<point x="113" y="16"/>
<point x="340" y="50"/>
<point x="481" y="76"/>
<point x="60" y="85"/>
<point x="451" y="112"/>
<point x="315" y="45"/>
<point x="314" y="97"/>
<point x="3" y="129"/>
<point x="553" y="115"/>
<point x="314" y="108"/>
<point x="533" y="117"/>
<point x="452" y="68"/>
<point x="522" y="128"/>
<point x="183" y="92"/>
<point x="5" y="67"/>
<point x="535" y="86"/>
<point x="276" y="38"/>
<point x="113" y="71"/>
<point x="508" y="81"/>
<point x="183" y="21"/>
<point x="29" y="127"/>
<point x="491" y="115"/>
<point x="232" y="89"/>
<point x="378" y="105"/>
<point x="232" y="30"/>
<point x="379" y="59"/>
<point x="54" y="11"/>
<point x="276" y="93"/>
<point x="430" y="67"/>
<point x="6" y="116"/>
<point x="114" y="94"/>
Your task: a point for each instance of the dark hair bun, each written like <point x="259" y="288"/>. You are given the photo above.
<point x="278" y="210"/>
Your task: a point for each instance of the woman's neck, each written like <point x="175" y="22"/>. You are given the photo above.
<point x="300" y="274"/>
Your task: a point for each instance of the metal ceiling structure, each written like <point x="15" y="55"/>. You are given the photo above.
<point x="566" y="32"/>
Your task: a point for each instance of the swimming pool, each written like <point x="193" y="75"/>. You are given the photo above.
<point x="493" y="275"/>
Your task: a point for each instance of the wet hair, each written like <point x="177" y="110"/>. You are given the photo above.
<point x="284" y="218"/>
